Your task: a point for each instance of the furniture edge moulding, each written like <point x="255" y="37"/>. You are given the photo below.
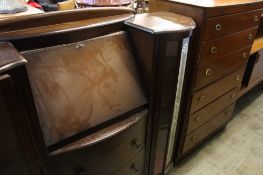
<point x="179" y="28"/>
<point x="62" y="22"/>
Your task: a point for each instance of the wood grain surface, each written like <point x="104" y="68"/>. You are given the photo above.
<point x="81" y="85"/>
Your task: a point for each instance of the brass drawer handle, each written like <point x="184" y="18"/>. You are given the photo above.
<point x="233" y="96"/>
<point x="238" y="78"/>
<point x="213" y="50"/>
<point x="135" y="142"/>
<point x="218" y="27"/>
<point x="245" y="55"/>
<point x="134" y="167"/>
<point x="250" y="36"/>
<point x="255" y="18"/>
<point x="80" y="46"/>
<point x="194" y="138"/>
<point x="197" y="119"/>
<point x="202" y="98"/>
<point x="208" y="72"/>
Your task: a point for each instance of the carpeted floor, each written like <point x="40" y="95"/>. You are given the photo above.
<point x="238" y="150"/>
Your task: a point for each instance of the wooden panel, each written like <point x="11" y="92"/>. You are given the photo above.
<point x="81" y="85"/>
<point x="110" y="154"/>
<point x="134" y="167"/>
<point x="7" y="133"/>
<point x="200" y="117"/>
<point x="216" y="3"/>
<point x="220" y="26"/>
<point x="9" y="57"/>
<point x="215" y="90"/>
<point x="215" y="70"/>
<point x="11" y="162"/>
<point x="208" y="128"/>
<point x="217" y="48"/>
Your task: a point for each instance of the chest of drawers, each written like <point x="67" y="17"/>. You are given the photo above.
<point x="219" y="53"/>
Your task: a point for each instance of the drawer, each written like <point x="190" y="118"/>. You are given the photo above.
<point x="208" y="128"/>
<point x="205" y="114"/>
<point x="215" y="70"/>
<point x="220" y="26"/>
<point x="105" y="157"/>
<point x="215" y="90"/>
<point x="134" y="167"/>
<point x="215" y="49"/>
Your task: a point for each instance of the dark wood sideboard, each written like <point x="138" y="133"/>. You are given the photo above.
<point x="218" y="61"/>
<point x="86" y="91"/>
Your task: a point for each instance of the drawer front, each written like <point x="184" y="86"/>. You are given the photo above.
<point x="105" y="157"/>
<point x="213" y="71"/>
<point x="220" y="26"/>
<point x="215" y="49"/>
<point x="202" y="116"/>
<point x="204" y="131"/>
<point x="134" y="167"/>
<point x="215" y="90"/>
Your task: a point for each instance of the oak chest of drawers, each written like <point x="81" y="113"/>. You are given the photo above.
<point x="219" y="53"/>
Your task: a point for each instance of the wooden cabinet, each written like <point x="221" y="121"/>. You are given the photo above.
<point x="219" y="53"/>
<point x="197" y="136"/>
<point x="228" y="24"/>
<point x="98" y="88"/>
<point x="112" y="151"/>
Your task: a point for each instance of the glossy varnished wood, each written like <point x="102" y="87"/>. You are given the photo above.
<point x="9" y="57"/>
<point x="215" y="90"/>
<point x="205" y="114"/>
<point x="215" y="49"/>
<point x="204" y="66"/>
<point x="104" y="3"/>
<point x="208" y="128"/>
<point x="75" y="88"/>
<point x="61" y="22"/>
<point x="224" y="25"/>
<point x="222" y="7"/>
<point x="104" y="153"/>
<point x="134" y="167"/>
<point x="215" y="70"/>
<point x="148" y="22"/>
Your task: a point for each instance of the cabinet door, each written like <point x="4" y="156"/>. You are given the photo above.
<point x="11" y="162"/>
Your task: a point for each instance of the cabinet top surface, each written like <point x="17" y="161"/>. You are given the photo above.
<point x="216" y="3"/>
<point x="162" y="22"/>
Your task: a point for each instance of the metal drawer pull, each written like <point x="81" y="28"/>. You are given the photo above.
<point x="238" y="78"/>
<point x="197" y="119"/>
<point x="255" y="18"/>
<point x="233" y="96"/>
<point x="213" y="50"/>
<point x="250" y="36"/>
<point x="218" y="27"/>
<point x="80" y="46"/>
<point x="193" y="138"/>
<point x="135" y="142"/>
<point x="245" y="55"/>
<point x="208" y="72"/>
<point x="202" y="98"/>
<point x="134" y="167"/>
